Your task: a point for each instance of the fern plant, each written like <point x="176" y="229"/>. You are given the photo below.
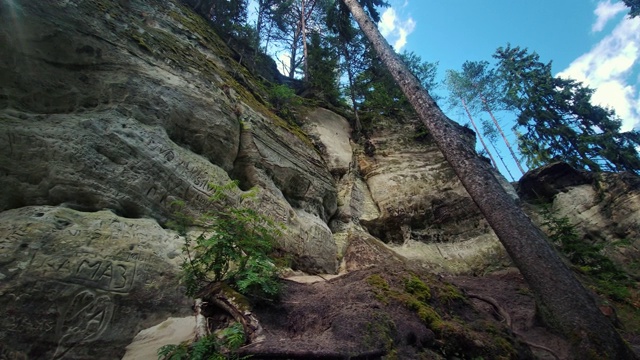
<point x="173" y="352"/>
<point x="232" y="337"/>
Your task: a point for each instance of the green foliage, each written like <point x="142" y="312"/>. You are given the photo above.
<point x="233" y="336"/>
<point x="422" y="133"/>
<point x="634" y="7"/>
<point x="212" y="347"/>
<point x="379" y="95"/>
<point x="284" y="101"/>
<point x="419" y="289"/>
<point x="234" y="247"/>
<point x="203" y="349"/>
<point x="437" y="304"/>
<point x="173" y="352"/>
<point x="556" y="120"/>
<point x="587" y="257"/>
<point x="226" y="16"/>
<point x="323" y="69"/>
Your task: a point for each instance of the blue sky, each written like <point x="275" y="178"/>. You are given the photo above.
<point x="589" y="40"/>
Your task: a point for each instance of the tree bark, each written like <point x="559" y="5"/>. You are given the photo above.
<point x="221" y="295"/>
<point x="352" y="92"/>
<point x="562" y="300"/>
<point x="304" y="41"/>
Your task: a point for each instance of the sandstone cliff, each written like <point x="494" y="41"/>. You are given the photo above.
<point x="112" y="110"/>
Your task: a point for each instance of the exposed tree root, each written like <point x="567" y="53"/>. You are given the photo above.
<point x="491" y="301"/>
<point x="505" y="315"/>
<point x="235" y="304"/>
<point x="202" y="329"/>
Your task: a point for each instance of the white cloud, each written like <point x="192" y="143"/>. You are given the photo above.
<point x="387" y="22"/>
<point x="605" y="12"/>
<point x="396" y="29"/>
<point x="608" y="68"/>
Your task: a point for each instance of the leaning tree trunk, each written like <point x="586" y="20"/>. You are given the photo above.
<point x="562" y="300"/>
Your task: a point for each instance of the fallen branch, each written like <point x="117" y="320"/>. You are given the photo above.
<point x="202" y="330"/>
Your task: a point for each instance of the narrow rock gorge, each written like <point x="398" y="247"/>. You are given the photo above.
<point x="111" y="111"/>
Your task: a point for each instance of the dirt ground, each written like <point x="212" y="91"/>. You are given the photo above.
<point x="373" y="314"/>
<point x="508" y="289"/>
<point x="354" y="317"/>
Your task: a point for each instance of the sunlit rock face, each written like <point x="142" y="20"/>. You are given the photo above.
<point x="424" y="212"/>
<point x="133" y="105"/>
<point x="402" y="191"/>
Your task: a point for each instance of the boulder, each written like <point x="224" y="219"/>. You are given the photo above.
<point x="80" y="285"/>
<point x="543" y="183"/>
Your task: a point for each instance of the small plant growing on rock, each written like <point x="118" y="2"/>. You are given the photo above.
<point x="588" y="258"/>
<point x="233" y="246"/>
<point x="284" y="101"/>
<point x="228" y="260"/>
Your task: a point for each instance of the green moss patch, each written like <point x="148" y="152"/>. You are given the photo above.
<point x="443" y="308"/>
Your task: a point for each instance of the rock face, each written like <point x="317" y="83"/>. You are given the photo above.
<point x="111" y="111"/>
<point x="424" y="212"/>
<point x="80" y="285"/>
<point x="604" y="208"/>
<point x="143" y="107"/>
<point x="332" y="133"/>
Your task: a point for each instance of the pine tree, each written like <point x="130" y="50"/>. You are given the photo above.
<point x="557" y="121"/>
<point x="634" y="7"/>
<point x="351" y="46"/>
<point x="563" y="301"/>
<point x="323" y="69"/>
<point x="453" y="81"/>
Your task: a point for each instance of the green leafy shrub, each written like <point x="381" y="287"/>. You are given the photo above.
<point x="234" y="247"/>
<point x="212" y="347"/>
<point x="284" y="101"/>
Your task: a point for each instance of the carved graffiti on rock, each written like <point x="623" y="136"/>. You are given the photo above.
<point x="85" y="319"/>
<point x="109" y="275"/>
<point x="114" y="276"/>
